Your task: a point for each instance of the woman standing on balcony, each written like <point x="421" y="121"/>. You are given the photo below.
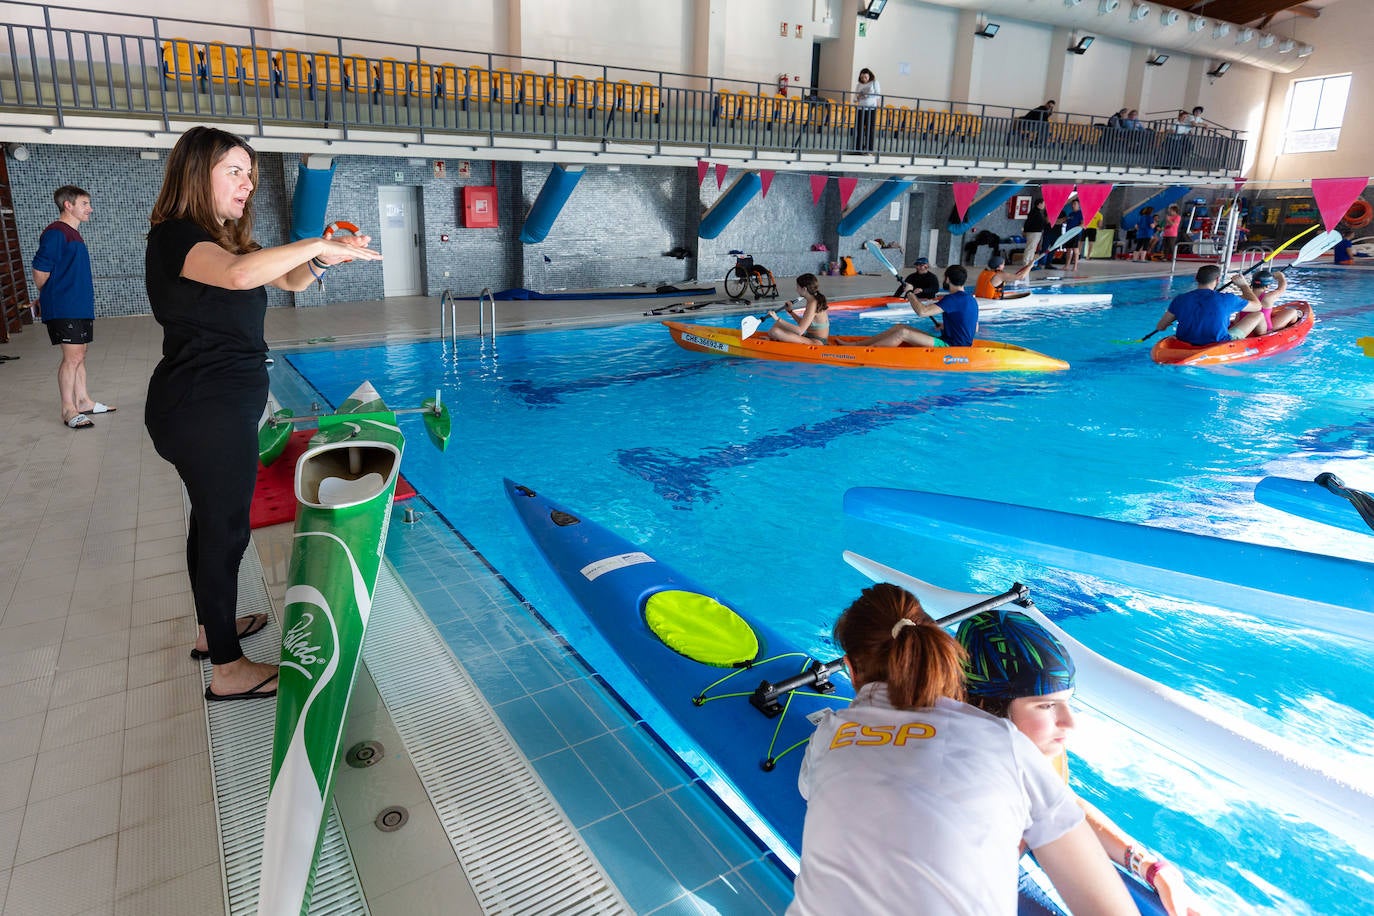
<point x="206" y="279"/>
<point x="868" y="95"/>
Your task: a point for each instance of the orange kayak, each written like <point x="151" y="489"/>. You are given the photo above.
<point x="983" y="356"/>
<point x="868" y="302"/>
<point x="1173" y="352"/>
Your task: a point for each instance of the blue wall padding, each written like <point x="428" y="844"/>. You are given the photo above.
<point x="311" y="201"/>
<point x="1169" y="195"/>
<point x="985" y="205"/>
<point x="729" y="205"/>
<point x="866" y="209"/>
<point x="553" y="196"/>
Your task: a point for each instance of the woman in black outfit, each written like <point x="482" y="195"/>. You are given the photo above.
<point x="205" y="278"/>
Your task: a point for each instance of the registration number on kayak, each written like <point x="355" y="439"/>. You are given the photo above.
<point x="609" y="564"/>
<point x="955" y="360"/>
<point x="706" y="342"/>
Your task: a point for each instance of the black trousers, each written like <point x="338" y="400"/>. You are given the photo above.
<point x="215" y="451"/>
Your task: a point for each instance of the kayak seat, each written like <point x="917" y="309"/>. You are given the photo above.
<point x="701" y="628"/>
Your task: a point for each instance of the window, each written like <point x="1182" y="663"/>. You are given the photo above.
<point x="1315" y="111"/>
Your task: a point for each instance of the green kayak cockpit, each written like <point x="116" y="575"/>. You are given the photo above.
<point x="701" y="628"/>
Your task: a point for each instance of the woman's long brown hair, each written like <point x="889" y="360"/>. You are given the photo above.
<point x="920" y="663"/>
<point x="187" y="192"/>
<point x="809" y="283"/>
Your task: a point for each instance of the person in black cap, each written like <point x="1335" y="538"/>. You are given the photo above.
<point x="922" y="281"/>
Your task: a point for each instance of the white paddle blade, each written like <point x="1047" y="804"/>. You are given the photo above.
<point x="1316" y="247"/>
<point x="876" y="250"/>
<point x="748" y="327"/>
<point x="1068" y="236"/>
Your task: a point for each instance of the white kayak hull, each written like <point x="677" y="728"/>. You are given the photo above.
<point x="988" y="307"/>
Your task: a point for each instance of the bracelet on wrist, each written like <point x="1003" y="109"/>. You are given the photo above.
<point x="1136" y="861"/>
<point x="317" y="274"/>
<point x="320" y="264"/>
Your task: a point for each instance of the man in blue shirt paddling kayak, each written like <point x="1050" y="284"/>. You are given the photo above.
<point x="960" y="310"/>
<point x="1204" y="314"/>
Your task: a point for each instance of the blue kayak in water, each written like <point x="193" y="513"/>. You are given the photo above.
<point x="737" y="688"/>
<point x="1272" y="583"/>
<point x="1326" y="499"/>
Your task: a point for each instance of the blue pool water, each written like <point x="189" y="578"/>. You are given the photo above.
<point x="733" y="471"/>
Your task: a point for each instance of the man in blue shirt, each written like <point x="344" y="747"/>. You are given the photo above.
<point x="62" y="274"/>
<point x="1204" y="314"/>
<point x="958" y="306"/>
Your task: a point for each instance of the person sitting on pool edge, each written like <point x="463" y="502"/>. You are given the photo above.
<point x="993" y="278"/>
<point x="916" y="802"/>
<point x="1274" y="317"/>
<point x="922" y="281"/>
<point x="958" y="306"/>
<point x="1017" y="670"/>
<point x="813" y="327"/>
<point x="1342" y="254"/>
<point x="1204" y="314"/>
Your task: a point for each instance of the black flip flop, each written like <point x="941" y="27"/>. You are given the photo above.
<point x="252" y="693"/>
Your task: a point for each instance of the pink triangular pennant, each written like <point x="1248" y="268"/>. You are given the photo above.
<point x="721" y="169"/>
<point x="818" y="187"/>
<point x="1056" y="196"/>
<point x="702" y="168"/>
<point x="1092" y="197"/>
<point x="766" y="179"/>
<point x="964" y="192"/>
<point x="847" y="186"/>
<point x="1334" y="197"/>
<point x="1240" y="183"/>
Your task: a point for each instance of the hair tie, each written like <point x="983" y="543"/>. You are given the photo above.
<point x="904" y="622"/>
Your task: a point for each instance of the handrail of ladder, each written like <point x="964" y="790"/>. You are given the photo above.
<point x="483" y="299"/>
<point x="448" y="316"/>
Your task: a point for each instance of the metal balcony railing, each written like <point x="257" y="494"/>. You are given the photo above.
<point x="162" y="70"/>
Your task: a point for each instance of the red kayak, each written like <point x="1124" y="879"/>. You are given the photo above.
<point x="1173" y="352"/>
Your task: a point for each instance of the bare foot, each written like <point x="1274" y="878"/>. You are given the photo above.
<point x="242" y="676"/>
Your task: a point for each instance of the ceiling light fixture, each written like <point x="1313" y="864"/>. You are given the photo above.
<point x="1244" y="35"/>
<point x="1305" y="51"/>
<point x="1156" y="59"/>
<point x="1139" y="11"/>
<point x="1107" y="6"/>
<point x="1168" y="17"/>
<point x="1287" y="45"/>
<point x="1197" y="24"/>
<point x="987" y="30"/>
<point x="1221" y="30"/>
<point x="1082" y="45"/>
<point x="1220" y="69"/>
<point x="1266" y="40"/>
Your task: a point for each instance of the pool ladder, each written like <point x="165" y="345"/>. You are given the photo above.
<point x="448" y="315"/>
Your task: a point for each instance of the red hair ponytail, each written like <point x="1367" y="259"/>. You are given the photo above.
<point x="889" y="637"/>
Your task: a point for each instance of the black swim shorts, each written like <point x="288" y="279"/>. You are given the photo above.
<point x="70" y="330"/>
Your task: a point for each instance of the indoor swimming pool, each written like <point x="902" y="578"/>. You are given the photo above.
<point x="733" y="471"/>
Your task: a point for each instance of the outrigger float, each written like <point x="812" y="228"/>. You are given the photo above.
<point x="1272" y="583"/>
<point x="1326" y="499"/>
<point x="344" y="482"/>
<point x="699" y="659"/>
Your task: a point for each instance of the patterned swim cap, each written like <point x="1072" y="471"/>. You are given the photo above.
<point x="1011" y="656"/>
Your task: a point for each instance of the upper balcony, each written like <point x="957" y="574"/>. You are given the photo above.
<point x="144" y="83"/>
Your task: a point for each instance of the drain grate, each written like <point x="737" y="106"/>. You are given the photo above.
<point x="241" y="762"/>
<point x="520" y="852"/>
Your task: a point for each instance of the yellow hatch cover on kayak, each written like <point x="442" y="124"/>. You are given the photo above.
<point x="701" y="628"/>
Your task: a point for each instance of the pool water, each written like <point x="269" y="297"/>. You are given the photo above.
<point x="733" y="471"/>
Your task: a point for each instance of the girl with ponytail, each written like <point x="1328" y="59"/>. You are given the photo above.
<point x="916" y="802"/>
<point x="813" y="326"/>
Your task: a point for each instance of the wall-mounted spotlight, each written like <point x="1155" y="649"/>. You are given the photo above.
<point x="1072" y="2"/>
<point x="1168" y="17"/>
<point x="1156" y="60"/>
<point x="987" y="30"/>
<point x="18" y="152"/>
<point x="1305" y="50"/>
<point x="1244" y="35"/>
<point x="1220" y="69"/>
<point x="1107" y="6"/>
<point x="1221" y="30"/>
<point x="1197" y="24"/>
<point x="1266" y="40"/>
<point x="1139" y="11"/>
<point x="1082" y="45"/>
<point x="1287" y="45"/>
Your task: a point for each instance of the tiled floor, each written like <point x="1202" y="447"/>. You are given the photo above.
<point x="105" y="786"/>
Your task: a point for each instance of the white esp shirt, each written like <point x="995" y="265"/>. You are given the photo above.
<point x="870" y="94"/>
<point x="921" y="811"/>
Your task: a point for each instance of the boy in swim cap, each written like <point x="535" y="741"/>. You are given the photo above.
<point x="1018" y="670"/>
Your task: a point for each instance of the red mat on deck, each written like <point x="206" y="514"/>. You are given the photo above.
<point x="274" y="497"/>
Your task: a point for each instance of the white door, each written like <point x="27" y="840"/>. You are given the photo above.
<point x="400" y="240"/>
